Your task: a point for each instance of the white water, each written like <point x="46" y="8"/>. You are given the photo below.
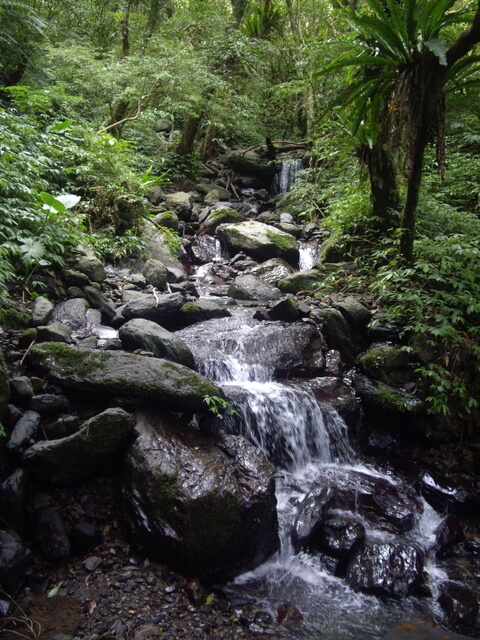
<point x="309" y="445"/>
<point x="309" y="253"/>
<point x="286" y="178"/>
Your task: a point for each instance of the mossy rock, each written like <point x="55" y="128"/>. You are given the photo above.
<point x="301" y="281"/>
<point x="201" y="309"/>
<point x="249" y="163"/>
<point x="167" y="219"/>
<point x="14" y="320"/>
<point x="223" y="215"/>
<point x="388" y="363"/>
<point x="385" y="402"/>
<point x="259" y="241"/>
<point x="124" y="375"/>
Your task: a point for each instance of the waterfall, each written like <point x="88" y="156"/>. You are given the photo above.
<point x="288" y="174"/>
<point x="309" y="253"/>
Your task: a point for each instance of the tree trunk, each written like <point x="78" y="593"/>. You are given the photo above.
<point x="152" y="20"/>
<point x="125" y="30"/>
<point x="238" y="9"/>
<point x="189" y="134"/>
<point x="383" y="184"/>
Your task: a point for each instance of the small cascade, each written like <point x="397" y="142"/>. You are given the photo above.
<point x="288" y="174"/>
<point x="309" y="253"/>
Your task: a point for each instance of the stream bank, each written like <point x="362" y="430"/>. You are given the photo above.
<point x="234" y="299"/>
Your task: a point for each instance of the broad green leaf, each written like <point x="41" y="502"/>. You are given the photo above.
<point x="437" y="47"/>
<point x="60" y="126"/>
<point x="51" y="203"/>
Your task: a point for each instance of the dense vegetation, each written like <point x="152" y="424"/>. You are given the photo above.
<point x="384" y="90"/>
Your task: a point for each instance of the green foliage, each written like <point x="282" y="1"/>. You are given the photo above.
<point x="264" y="19"/>
<point x="219" y="406"/>
<point x="111" y="246"/>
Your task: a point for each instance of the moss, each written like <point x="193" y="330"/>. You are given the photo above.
<point x="389" y="364"/>
<point x="285" y="241"/>
<point x="395" y="401"/>
<point x="27" y="337"/>
<point x="68" y="358"/>
<point x="15" y="320"/>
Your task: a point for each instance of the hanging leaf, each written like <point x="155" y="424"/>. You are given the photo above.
<point x="51" y="204"/>
<point x="437" y="47"/>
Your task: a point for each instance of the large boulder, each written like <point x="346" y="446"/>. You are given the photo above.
<point x="203" y="506"/>
<point x="308" y="280"/>
<point x="249" y="163"/>
<point x="202" y="309"/>
<point x="148" y="335"/>
<point x="162" y="308"/>
<point x="272" y="271"/>
<point x="124" y="375"/>
<point x="84" y="453"/>
<point x="248" y="287"/>
<point x="73" y="313"/>
<point x="386" y="569"/>
<point x="222" y="215"/>
<point x="258" y="240"/>
<point x="155" y="273"/>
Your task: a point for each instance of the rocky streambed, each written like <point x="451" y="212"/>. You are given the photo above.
<point x="209" y="414"/>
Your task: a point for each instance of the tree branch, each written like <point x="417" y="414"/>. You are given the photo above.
<point x="466" y="41"/>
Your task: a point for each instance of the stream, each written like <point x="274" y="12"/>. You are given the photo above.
<point x="309" y="445"/>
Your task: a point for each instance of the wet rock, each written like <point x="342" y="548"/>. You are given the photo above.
<point x="193" y="506"/>
<point x="61" y="427"/>
<point x="48" y="404"/>
<point x="200" y="310"/>
<point x="92" y="267"/>
<point x="222" y="215"/>
<point x="459" y="605"/>
<point x="124" y="375"/>
<point x="285" y="310"/>
<point x="307" y="525"/>
<point x="340" y="535"/>
<point x="288" y="614"/>
<point x="205" y="249"/>
<point x="24" y="431"/>
<point x="248" y="287"/>
<point x="249" y="163"/>
<point x="386" y="569"/>
<point x="155" y="273"/>
<point x="338" y="395"/>
<point x="84" y="536"/>
<point x="4" y="386"/>
<point x="98" y="301"/>
<point x="42" y="311"/>
<point x="163" y="309"/>
<point x="175" y="275"/>
<point x="388" y="405"/>
<point x="206" y="188"/>
<point x="83" y="454"/>
<point x="55" y="332"/>
<point x="260" y="241"/>
<point x="336" y="331"/>
<point x="13" y="498"/>
<point x="73" y="313"/>
<point x="51" y="534"/>
<point x="271" y="271"/>
<point x="150" y="336"/>
<point x="448" y="534"/>
<point x="455" y="493"/>
<point x="14" y="560"/>
<point x="21" y="389"/>
<point x="301" y="281"/>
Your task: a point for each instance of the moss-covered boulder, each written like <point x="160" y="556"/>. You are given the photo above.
<point x="98" y="442"/>
<point x="388" y="363"/>
<point x="4" y="387"/>
<point x="337" y="332"/>
<point x="248" y="287"/>
<point x="387" y="405"/>
<point x="223" y="215"/>
<point x="202" y="309"/>
<point x="124" y="375"/>
<point x="302" y="281"/>
<point x="259" y="241"/>
<point x="202" y="505"/>
<point x="167" y="219"/>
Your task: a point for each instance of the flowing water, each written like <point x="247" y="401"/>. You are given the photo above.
<point x="288" y="174"/>
<point x="309" y="445"/>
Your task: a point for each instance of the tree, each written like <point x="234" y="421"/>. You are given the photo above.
<point x="404" y="61"/>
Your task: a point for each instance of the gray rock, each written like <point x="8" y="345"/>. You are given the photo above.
<point x="13" y="500"/>
<point x="155" y="273"/>
<point x="202" y="309"/>
<point x="175" y="275"/>
<point x="48" y="404"/>
<point x="14" y="560"/>
<point x="459" y="605"/>
<point x="355" y="312"/>
<point x="21" y="389"/>
<point x="206" y="188"/>
<point x="42" y="311"/>
<point x="248" y="287"/>
<point x="336" y="331"/>
<point x="75" y="278"/>
<point x="249" y="163"/>
<point x="4" y="386"/>
<point x="386" y="569"/>
<point x="92" y="267"/>
<point x="25" y="429"/>
<point x="124" y="375"/>
<point x="164" y="309"/>
<point x="155" y="195"/>
<point x="55" y="332"/>
<point x="164" y="125"/>
<point x="260" y="241"/>
<point x="83" y="454"/>
<point x="285" y="310"/>
<point x="98" y="301"/>
<point x="272" y="271"/>
<point x="301" y="281"/>
<point x="222" y="215"/>
<point x="148" y="335"/>
<point x="201" y="505"/>
<point x="73" y="313"/>
<point x="181" y="202"/>
<point x="51" y="534"/>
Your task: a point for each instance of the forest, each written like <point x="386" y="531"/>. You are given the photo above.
<point x="383" y="93"/>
